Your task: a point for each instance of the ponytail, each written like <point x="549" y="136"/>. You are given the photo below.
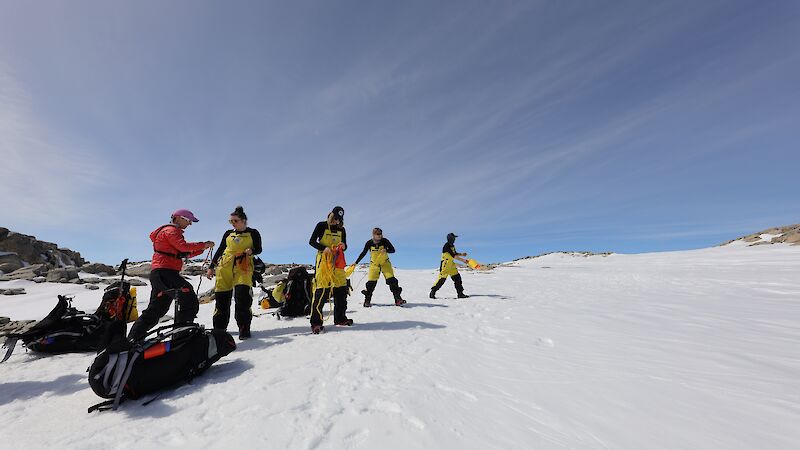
<point x="239" y="212"/>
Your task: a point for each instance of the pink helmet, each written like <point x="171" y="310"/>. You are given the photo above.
<point x="186" y="214"/>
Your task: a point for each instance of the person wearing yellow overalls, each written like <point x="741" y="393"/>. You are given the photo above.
<point x="233" y="266"/>
<point x="330" y="240"/>
<point x="379" y="249"/>
<point x="448" y="268"/>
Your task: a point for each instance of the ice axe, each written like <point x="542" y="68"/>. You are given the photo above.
<point x="123" y="266"/>
<point x="205" y="261"/>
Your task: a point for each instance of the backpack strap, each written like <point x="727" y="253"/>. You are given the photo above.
<point x="179" y="255"/>
<point x="122" y="364"/>
<point x="102" y="406"/>
<point x="10" y="343"/>
<point x="124" y="380"/>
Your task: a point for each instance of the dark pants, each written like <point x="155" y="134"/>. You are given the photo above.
<point x="166" y="285"/>
<point x="394" y="286"/>
<point x="242" y="312"/>
<point x="456" y="280"/>
<point x="339" y="304"/>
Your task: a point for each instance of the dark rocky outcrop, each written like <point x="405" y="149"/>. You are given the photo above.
<point x="10" y="262"/>
<point x="34" y="251"/>
<point x="99" y="269"/>
<point x="62" y="275"/>
<point x="29" y="272"/>
<point x="12" y="291"/>
<point x="140" y="270"/>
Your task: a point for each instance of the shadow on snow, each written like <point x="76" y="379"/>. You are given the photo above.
<point x="220" y="372"/>
<point x="26" y="390"/>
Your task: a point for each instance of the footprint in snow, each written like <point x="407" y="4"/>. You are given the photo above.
<point x="384" y="406"/>
<point x="357" y="438"/>
<point x="453" y="390"/>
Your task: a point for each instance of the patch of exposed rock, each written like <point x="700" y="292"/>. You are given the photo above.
<point x="577" y="254"/>
<point x="61" y="275"/>
<point x="139" y="270"/>
<point x="12" y="291"/>
<point x="99" y="269"/>
<point x="789" y="234"/>
<point x="29" y="272"/>
<point x="33" y="251"/>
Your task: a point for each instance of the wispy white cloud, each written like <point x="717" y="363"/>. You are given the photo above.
<point x="488" y="156"/>
<point x="44" y="180"/>
<point x="440" y="117"/>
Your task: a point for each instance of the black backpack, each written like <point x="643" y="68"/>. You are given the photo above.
<point x="117" y="302"/>
<point x="64" y="330"/>
<point x="165" y="357"/>
<point x="297" y="293"/>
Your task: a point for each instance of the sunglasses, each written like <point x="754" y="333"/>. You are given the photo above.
<point x="235" y="220"/>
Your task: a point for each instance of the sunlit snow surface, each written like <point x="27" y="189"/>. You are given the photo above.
<point x="696" y="349"/>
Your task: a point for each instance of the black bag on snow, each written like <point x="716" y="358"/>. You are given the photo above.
<point x="65" y="330"/>
<point x="166" y="356"/>
<point x="297" y="293"/>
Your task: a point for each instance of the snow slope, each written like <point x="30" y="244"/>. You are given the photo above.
<point x="695" y="349"/>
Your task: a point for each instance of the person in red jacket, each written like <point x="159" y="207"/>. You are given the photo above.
<point x="166" y="282"/>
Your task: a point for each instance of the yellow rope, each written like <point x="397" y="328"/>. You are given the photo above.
<point x="326" y="276"/>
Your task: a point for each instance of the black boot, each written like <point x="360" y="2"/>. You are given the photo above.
<point x="459" y="286"/>
<point x="368" y="293"/>
<point x="394" y="286"/>
<point x="436" y="287"/>
<point x="340" y="307"/>
<point x="244" y="315"/>
<point x="367" y="299"/>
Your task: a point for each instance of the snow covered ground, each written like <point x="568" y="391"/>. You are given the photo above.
<point x="695" y="349"/>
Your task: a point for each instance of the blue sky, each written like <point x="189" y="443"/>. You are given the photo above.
<point x="524" y="127"/>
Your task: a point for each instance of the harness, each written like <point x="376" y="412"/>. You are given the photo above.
<point x="179" y="255"/>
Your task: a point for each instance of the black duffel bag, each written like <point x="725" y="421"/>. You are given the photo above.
<point x="167" y="356"/>
<point x="64" y="330"/>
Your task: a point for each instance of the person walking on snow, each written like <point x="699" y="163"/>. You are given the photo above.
<point x="330" y="240"/>
<point x="448" y="267"/>
<point x="379" y="249"/>
<point x="233" y="266"/>
<point x="166" y="282"/>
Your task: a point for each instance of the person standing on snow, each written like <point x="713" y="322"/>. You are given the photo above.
<point x="166" y="282"/>
<point x="448" y="268"/>
<point x="330" y="240"/>
<point x="233" y="266"/>
<point x="379" y="249"/>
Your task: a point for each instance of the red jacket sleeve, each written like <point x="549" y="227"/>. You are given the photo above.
<point x="175" y="239"/>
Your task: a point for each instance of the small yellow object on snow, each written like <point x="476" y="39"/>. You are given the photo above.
<point x="133" y="312"/>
